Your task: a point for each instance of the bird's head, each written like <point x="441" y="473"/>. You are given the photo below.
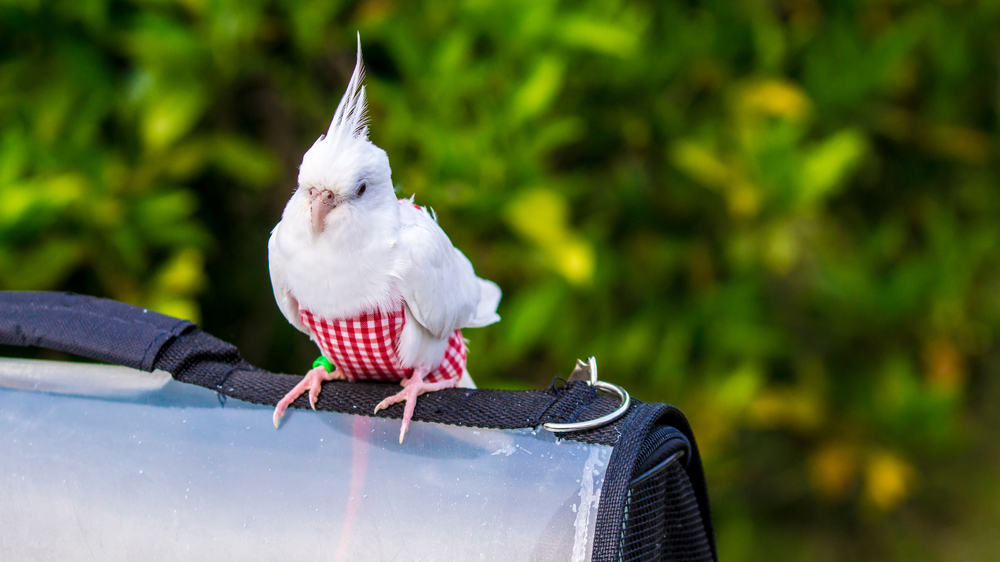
<point x="344" y="178"/>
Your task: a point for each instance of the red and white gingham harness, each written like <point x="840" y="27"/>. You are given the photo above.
<point x="364" y="347"/>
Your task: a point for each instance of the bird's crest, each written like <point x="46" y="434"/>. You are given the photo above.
<point x="351" y="118"/>
<point x="350" y="122"/>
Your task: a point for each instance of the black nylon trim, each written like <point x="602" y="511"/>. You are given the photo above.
<point x="672" y="416"/>
<point x="623" y="467"/>
<point x="611" y="509"/>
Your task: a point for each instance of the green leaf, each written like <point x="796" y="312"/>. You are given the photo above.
<point x="170" y="115"/>
<point x="43" y="266"/>
<point x="602" y="37"/>
<point x="247" y="162"/>
<point x="829" y="165"/>
<point x="162" y="210"/>
<point x="699" y="163"/>
<point x="537" y="93"/>
<point x="530" y="313"/>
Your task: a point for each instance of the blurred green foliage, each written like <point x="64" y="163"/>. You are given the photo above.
<point x="780" y="216"/>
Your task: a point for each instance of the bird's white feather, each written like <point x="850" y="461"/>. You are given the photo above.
<point x="352" y="267"/>
<point x="373" y="253"/>
<point x="486" y="308"/>
<point x="286" y="302"/>
<point x="439" y="285"/>
<point x="350" y="120"/>
<point x="440" y="289"/>
<point x="346" y="141"/>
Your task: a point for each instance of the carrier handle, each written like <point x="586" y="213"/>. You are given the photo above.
<point x="622" y="394"/>
<point x="122" y="334"/>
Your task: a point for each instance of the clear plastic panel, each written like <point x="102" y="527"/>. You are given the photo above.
<point x="152" y="469"/>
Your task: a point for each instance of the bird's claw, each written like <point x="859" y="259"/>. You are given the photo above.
<point x="386" y="403"/>
<point x="412" y="387"/>
<point x="313" y="382"/>
<point x="410" y="397"/>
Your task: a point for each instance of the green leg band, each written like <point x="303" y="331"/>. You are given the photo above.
<point x="323" y="362"/>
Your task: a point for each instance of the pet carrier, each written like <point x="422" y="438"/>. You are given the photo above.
<point x="165" y="451"/>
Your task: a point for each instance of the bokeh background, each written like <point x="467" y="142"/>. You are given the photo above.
<point x="781" y="216"/>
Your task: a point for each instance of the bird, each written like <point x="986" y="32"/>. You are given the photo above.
<point x="372" y="279"/>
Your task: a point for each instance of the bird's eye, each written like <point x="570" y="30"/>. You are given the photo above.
<point x="362" y="188"/>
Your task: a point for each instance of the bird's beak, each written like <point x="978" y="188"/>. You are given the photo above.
<point x="323" y="201"/>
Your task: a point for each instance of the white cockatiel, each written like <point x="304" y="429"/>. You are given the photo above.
<point x="373" y="280"/>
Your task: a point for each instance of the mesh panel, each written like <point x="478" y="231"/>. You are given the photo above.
<point x="662" y="521"/>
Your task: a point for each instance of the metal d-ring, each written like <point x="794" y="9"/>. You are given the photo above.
<point x="620" y="392"/>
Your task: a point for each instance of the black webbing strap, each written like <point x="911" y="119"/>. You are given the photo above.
<point x="100" y="329"/>
<point x="122" y="334"/>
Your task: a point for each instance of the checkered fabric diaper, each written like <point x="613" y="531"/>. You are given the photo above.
<point x="364" y="347"/>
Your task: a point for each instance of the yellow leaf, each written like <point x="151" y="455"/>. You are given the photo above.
<point x="888" y="480"/>
<point x="185" y="309"/>
<point x="776" y="408"/>
<point x="699" y="163"/>
<point x="184" y="274"/>
<point x="574" y="259"/>
<point x="744" y="199"/>
<point x="540" y="216"/>
<point x="537" y="214"/>
<point x="775" y="97"/>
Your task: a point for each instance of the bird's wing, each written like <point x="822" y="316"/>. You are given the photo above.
<point x="439" y="286"/>
<point x="286" y="302"/>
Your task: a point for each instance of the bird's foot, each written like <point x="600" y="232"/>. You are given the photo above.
<point x="412" y="387"/>
<point x="313" y="381"/>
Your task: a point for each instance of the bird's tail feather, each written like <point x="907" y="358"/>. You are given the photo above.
<point x="489" y="299"/>
<point x="465" y="381"/>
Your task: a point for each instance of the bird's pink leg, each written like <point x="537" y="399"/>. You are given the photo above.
<point x="312" y="381"/>
<point x="413" y="387"/>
